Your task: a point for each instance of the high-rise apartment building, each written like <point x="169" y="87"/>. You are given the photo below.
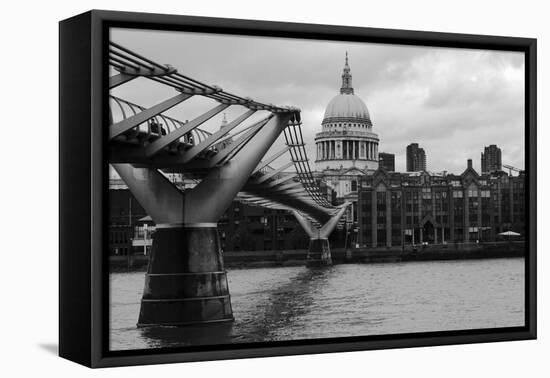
<point x="416" y="158"/>
<point x="491" y="159"/>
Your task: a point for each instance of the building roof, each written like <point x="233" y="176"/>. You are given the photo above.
<point x="347" y="106"/>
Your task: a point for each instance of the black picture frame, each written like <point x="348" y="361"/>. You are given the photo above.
<point x="83" y="283"/>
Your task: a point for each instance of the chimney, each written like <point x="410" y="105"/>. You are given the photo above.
<point x="469" y="163"/>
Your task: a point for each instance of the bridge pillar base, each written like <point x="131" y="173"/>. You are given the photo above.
<point x="185" y="282"/>
<point x="318" y="253"/>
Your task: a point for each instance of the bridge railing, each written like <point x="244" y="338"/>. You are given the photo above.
<point x="295" y="140"/>
<point x="130" y="63"/>
<point x="160" y="124"/>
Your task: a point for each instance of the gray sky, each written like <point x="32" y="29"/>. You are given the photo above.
<point x="451" y="101"/>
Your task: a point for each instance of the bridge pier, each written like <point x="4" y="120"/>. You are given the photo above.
<point x="319" y="247"/>
<point x="185" y="282"/>
<point x="318" y="253"/>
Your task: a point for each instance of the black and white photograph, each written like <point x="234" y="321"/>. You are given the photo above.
<point x="267" y="189"/>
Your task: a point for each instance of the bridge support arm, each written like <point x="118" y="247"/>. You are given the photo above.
<point x="156" y="194"/>
<point x="306" y="224"/>
<point x="119" y="79"/>
<point x="328" y="227"/>
<point x="209" y="200"/>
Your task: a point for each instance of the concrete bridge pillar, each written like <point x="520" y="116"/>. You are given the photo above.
<point x="186" y="282"/>
<point x="318" y="253"/>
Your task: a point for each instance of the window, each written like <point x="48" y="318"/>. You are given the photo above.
<point x="455" y="183"/>
<point x="458" y="194"/>
<point x="486" y="194"/>
<point x="426" y="193"/>
<point x="472" y="193"/>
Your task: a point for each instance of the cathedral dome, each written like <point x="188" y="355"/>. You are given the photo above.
<point x="347" y="106"/>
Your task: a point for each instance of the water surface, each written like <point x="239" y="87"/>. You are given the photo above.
<point x="288" y="303"/>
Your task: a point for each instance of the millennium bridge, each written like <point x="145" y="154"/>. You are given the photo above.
<point x="186" y="282"/>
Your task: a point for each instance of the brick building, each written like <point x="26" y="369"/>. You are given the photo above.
<point x="124" y="214"/>
<point x="397" y="209"/>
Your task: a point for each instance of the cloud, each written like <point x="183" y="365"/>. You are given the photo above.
<point x="451" y="101"/>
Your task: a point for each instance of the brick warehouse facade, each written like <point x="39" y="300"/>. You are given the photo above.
<point x="397" y="209"/>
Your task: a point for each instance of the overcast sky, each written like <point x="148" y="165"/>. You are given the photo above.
<point x="453" y="102"/>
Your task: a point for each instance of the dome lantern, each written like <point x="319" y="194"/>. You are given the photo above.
<point x="346" y="88"/>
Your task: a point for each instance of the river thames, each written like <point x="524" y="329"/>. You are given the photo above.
<point x="289" y="303"/>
